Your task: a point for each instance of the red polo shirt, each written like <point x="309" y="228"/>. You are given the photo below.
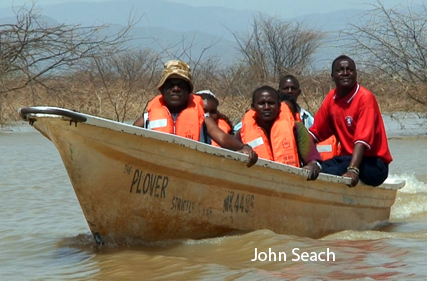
<point x="356" y="118"/>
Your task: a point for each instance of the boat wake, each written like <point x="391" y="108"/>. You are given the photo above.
<point x="410" y="201"/>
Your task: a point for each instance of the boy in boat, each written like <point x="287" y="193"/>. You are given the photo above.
<point x="289" y="90"/>
<point x="270" y="128"/>
<point x="176" y="111"/>
<point x="210" y="106"/>
<point x="351" y="113"/>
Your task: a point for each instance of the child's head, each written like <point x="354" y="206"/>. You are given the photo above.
<point x="210" y="103"/>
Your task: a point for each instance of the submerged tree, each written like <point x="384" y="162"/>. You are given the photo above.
<point x="125" y="75"/>
<point x="393" y="42"/>
<point x="274" y="47"/>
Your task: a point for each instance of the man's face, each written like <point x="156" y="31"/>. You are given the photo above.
<point x="266" y="105"/>
<point x="344" y="74"/>
<point x="175" y="92"/>
<point x="289" y="89"/>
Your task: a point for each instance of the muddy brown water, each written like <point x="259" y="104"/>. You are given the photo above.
<point x="44" y="236"/>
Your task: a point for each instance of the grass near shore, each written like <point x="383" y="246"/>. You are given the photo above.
<point x="119" y="102"/>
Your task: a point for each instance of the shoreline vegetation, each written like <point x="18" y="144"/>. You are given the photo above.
<point x="399" y="125"/>
<point x="86" y="93"/>
<point x="89" y="70"/>
<point x="402" y="117"/>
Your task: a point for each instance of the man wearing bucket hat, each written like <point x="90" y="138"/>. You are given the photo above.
<point x="177" y="111"/>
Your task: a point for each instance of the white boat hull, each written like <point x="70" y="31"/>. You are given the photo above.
<point x="136" y="183"/>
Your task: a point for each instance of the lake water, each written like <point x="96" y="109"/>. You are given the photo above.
<point x="44" y="235"/>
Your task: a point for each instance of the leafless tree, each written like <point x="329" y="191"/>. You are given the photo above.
<point x="393" y="43"/>
<point x="275" y="47"/>
<point x="185" y="50"/>
<point x="125" y="75"/>
<point x="32" y="50"/>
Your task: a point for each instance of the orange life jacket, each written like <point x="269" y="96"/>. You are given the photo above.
<point x="327" y="148"/>
<point x="223" y="125"/>
<point x="188" y="123"/>
<point x="298" y="117"/>
<point x="283" y="147"/>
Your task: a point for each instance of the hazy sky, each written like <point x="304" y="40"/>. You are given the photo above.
<point x="284" y="8"/>
<point x="293" y="8"/>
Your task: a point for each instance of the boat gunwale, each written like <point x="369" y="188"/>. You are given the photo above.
<point x="32" y="113"/>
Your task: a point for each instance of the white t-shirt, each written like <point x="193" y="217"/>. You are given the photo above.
<point x="306" y="118"/>
<point x="145" y="120"/>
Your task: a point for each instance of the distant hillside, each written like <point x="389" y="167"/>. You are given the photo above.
<point x="45" y="19"/>
<point x="165" y="24"/>
<point x="332" y="24"/>
<point x="159" y="13"/>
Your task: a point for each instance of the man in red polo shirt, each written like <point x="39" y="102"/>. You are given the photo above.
<point x="351" y="113"/>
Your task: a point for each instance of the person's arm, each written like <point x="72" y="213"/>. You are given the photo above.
<point x="238" y="136"/>
<point x="139" y="122"/>
<point x="228" y="141"/>
<point x="321" y="128"/>
<point x="307" y="151"/>
<point x="353" y="168"/>
<point x="364" y="136"/>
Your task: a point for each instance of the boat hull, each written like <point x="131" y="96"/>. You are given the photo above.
<point x="136" y="183"/>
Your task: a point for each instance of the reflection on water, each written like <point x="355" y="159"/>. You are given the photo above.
<point x="356" y="256"/>
<point x="44" y="236"/>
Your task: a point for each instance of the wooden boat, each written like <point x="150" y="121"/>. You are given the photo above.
<point x="136" y="183"/>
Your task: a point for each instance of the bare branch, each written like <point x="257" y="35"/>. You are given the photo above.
<point x="275" y="47"/>
<point x="31" y="50"/>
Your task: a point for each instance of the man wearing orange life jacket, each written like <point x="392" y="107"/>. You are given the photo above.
<point x="269" y="127"/>
<point x="210" y="106"/>
<point x="289" y="89"/>
<point x="176" y="111"/>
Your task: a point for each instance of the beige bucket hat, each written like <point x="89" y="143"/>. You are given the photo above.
<point x="176" y="69"/>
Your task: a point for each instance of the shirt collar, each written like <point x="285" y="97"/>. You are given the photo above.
<point x="348" y="98"/>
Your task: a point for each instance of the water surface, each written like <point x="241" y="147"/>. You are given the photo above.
<point x="44" y="236"/>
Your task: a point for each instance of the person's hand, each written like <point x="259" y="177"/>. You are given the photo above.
<point x="313" y="169"/>
<point x="354" y="175"/>
<point x="253" y="157"/>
